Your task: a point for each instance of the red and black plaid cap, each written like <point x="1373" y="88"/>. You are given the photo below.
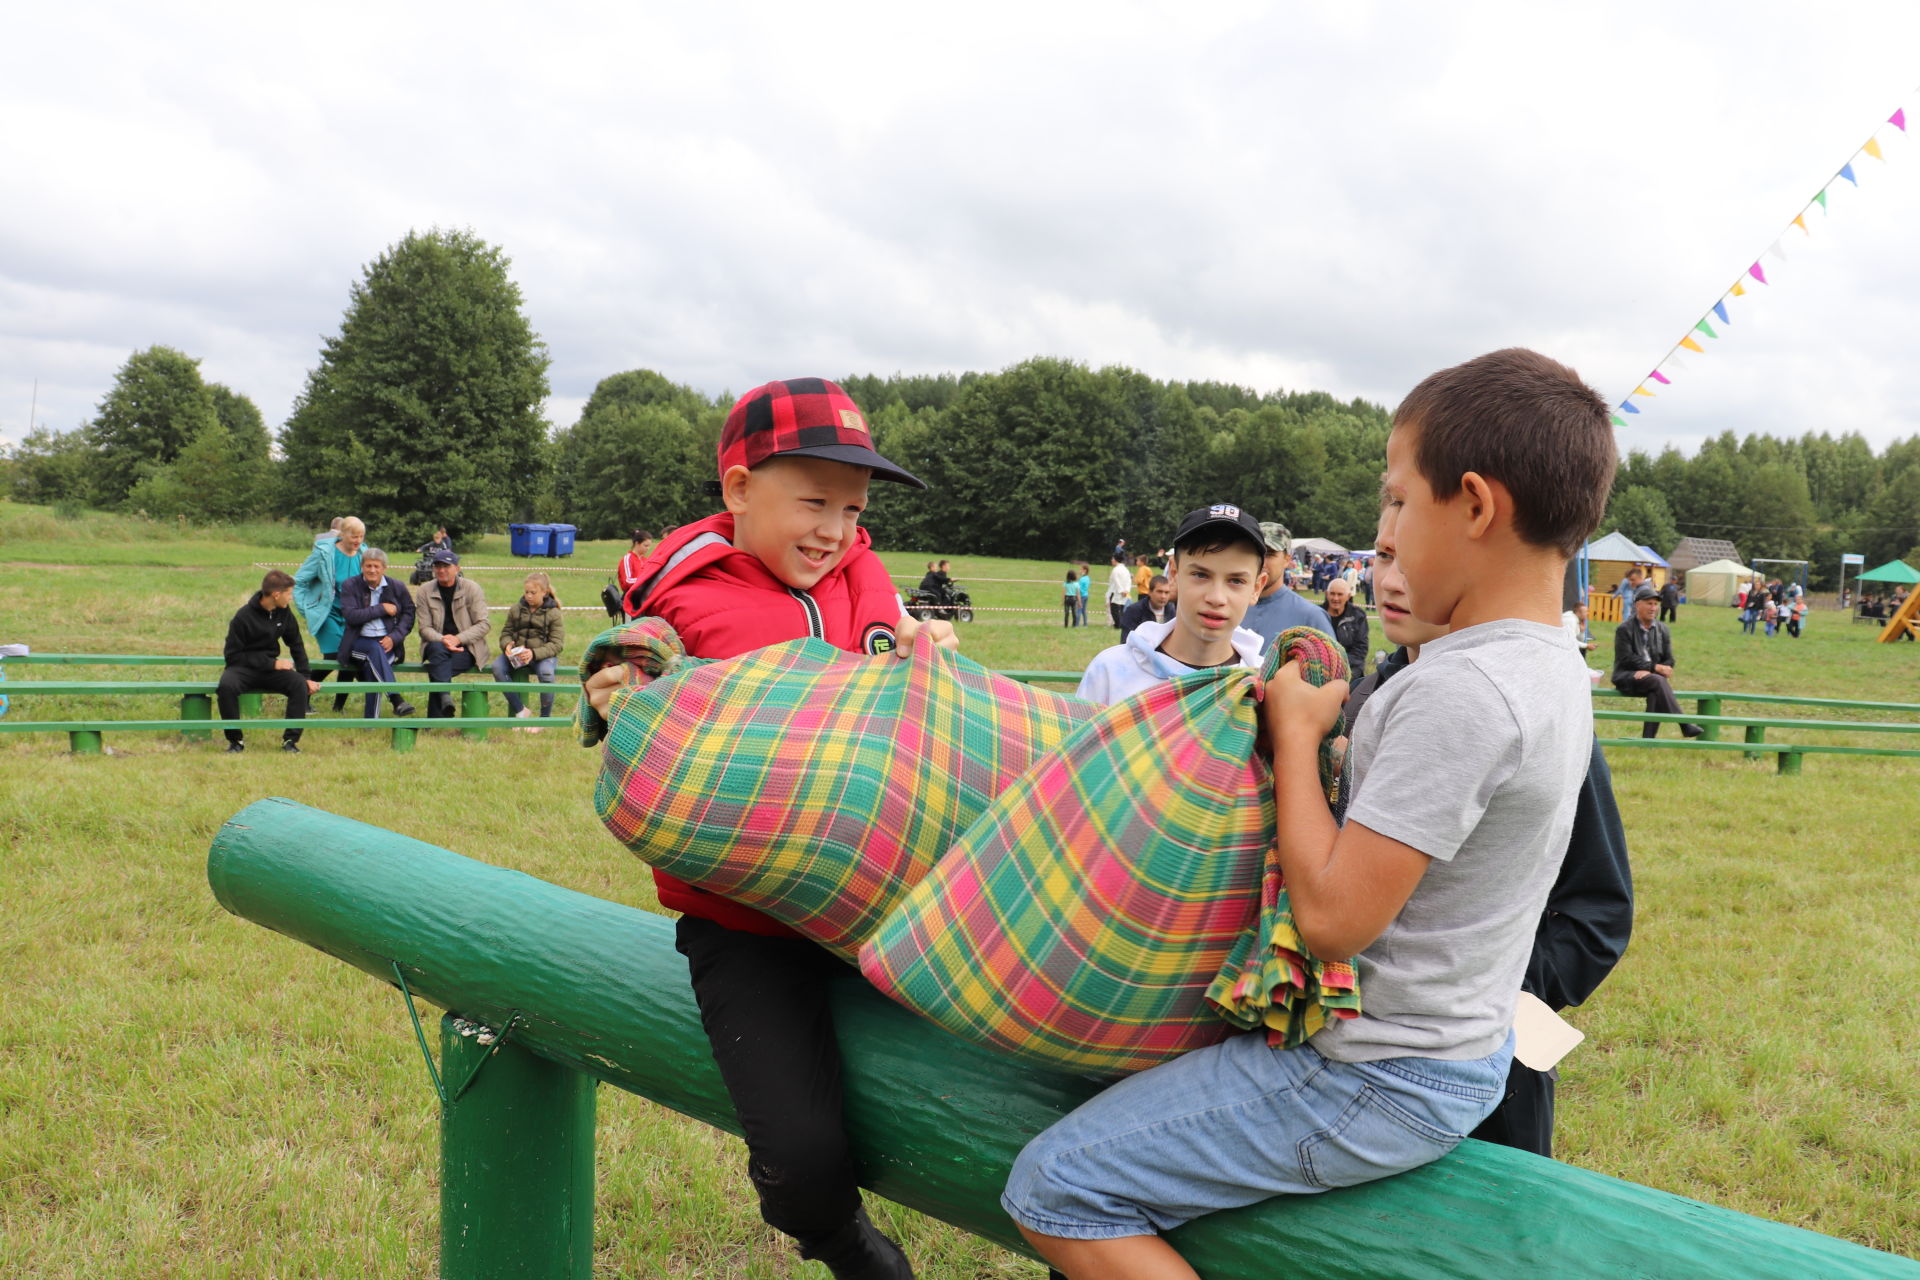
<point x="806" y="418"/>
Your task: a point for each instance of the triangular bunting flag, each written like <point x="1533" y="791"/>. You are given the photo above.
<point x="1739" y="290"/>
<point x="1846" y="171"/>
<point x="1899" y="119"/>
<point x="1691" y="345"/>
<point x="1628" y="405"/>
<point x="1800" y="221"/>
<point x="1641" y="390"/>
<point x="1821" y="199"/>
<point x="1704" y="327"/>
<point x="1658" y="377"/>
<point x="1720" y="309"/>
<point x="1873" y="148"/>
<point x="1619" y="421"/>
<point x="1757" y="273"/>
<point x="1777" y="251"/>
<point x="1673" y="360"/>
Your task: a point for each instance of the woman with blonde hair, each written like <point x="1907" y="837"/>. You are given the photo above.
<point x="532" y="639"/>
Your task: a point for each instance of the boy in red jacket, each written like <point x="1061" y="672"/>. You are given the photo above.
<point x="786" y="560"/>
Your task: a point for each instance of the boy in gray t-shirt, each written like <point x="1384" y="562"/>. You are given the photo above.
<point x="1464" y="773"/>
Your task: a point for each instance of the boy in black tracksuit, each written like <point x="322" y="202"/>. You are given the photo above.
<point x="254" y="664"/>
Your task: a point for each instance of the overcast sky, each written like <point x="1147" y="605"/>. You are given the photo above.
<point x="1342" y="197"/>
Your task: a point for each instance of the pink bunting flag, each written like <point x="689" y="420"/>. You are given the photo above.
<point x="1659" y="377"/>
<point x="1757" y="273"/>
<point x="1898" y="119"/>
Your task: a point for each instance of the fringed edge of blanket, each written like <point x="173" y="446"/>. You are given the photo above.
<point x="650" y="649"/>
<point x="1270" y="980"/>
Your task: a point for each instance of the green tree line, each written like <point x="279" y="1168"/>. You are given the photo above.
<point x="424" y="409"/>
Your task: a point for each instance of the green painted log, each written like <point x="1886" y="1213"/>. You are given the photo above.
<point x="935" y="1121"/>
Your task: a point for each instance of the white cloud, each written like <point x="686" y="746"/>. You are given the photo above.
<point x="1344" y="198"/>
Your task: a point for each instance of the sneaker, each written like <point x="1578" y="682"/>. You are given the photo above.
<point x="401" y="707"/>
<point x="235" y="748"/>
<point x="291" y="748"/>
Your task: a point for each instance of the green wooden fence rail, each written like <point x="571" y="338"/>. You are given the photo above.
<point x="570" y="989"/>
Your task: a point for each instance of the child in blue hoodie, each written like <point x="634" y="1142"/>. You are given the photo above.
<point x="1217" y="574"/>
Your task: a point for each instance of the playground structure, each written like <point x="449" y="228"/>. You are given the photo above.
<point x="1905" y="622"/>
<point x="550" y="991"/>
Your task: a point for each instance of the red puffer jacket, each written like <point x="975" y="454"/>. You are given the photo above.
<point x="724" y="602"/>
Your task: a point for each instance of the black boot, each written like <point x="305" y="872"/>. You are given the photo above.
<point x="858" y="1251"/>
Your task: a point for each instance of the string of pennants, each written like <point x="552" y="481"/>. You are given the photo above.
<point x="1753" y="277"/>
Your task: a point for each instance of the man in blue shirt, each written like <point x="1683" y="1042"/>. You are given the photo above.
<point x="1281" y="607"/>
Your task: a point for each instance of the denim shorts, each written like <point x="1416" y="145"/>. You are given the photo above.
<point x="1237" y="1123"/>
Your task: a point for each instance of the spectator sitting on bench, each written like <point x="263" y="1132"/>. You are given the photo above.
<point x="378" y="612"/>
<point x="451" y="614"/>
<point x="254" y="664"/>
<point x="533" y="637"/>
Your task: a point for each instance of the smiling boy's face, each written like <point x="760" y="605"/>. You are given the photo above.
<point x="1214" y="590"/>
<point x="798" y="516"/>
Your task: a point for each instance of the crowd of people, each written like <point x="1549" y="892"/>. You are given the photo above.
<point x="1771" y="605"/>
<point x="360" y="616"/>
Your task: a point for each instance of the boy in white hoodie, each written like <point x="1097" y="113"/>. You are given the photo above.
<point x="1217" y="574"/>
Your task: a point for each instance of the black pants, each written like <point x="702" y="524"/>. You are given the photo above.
<point x="1669" y="612"/>
<point x="1069" y="610"/>
<point x="1524" y="1118"/>
<point x="763" y="1002"/>
<point x="443" y="664"/>
<point x="1660" y="701"/>
<point x="235" y="681"/>
<point x="1114" y="607"/>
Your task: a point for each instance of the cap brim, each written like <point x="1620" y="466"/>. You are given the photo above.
<point x="1224" y="525"/>
<point x="858" y="456"/>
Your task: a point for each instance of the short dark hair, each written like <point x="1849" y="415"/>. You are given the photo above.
<point x="1528" y="422"/>
<point x="276" y="580"/>
<point x="1157" y="580"/>
<point x="641" y="535"/>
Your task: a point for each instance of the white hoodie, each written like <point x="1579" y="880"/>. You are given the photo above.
<point x="1120" y="672"/>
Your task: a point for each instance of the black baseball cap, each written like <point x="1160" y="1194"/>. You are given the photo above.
<point x="1222" y="519"/>
<point x="444" y="556"/>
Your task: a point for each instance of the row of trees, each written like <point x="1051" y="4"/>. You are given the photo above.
<point x="425" y="409"/>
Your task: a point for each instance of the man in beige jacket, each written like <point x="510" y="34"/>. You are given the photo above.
<point x="451" y="617"/>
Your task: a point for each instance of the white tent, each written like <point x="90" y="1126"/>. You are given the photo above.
<point x="1717" y="582"/>
<point x="1319" y="547"/>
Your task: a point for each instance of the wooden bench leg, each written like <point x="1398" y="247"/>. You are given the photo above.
<point x="250" y="703"/>
<point x="196" y="706"/>
<point x="1790" y="762"/>
<point x="1755" y="733"/>
<point x="473" y="703"/>
<point x="403" y="739"/>
<point x="85" y="742"/>
<point x="1709" y="707"/>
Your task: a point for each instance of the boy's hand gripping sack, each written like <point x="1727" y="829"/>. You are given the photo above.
<point x="809" y="783"/>
<point x="1083" y="921"/>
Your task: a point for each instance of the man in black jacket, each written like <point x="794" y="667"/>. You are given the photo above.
<point x="254" y="664"/>
<point x="1349" y="625"/>
<point x="1643" y="662"/>
<point x="1156" y="606"/>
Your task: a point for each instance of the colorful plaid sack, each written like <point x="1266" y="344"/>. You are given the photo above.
<point x="812" y="784"/>
<point x="1081" y="920"/>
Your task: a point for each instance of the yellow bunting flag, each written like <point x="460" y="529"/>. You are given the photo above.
<point x="1873" y="148"/>
<point x="1739" y="290"/>
<point x="1641" y="390"/>
<point x="1800" y="221"/>
<point x="1691" y="345"/>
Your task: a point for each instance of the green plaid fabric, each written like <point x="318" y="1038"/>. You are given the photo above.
<point x="1081" y="920"/>
<point x="811" y="784"/>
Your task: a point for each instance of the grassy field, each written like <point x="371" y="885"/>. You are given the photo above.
<point x="185" y="1094"/>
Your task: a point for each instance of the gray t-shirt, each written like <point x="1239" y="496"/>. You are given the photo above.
<point x="1474" y="756"/>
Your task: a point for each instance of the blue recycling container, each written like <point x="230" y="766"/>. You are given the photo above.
<point x="562" y="544"/>
<point x="529" y="539"/>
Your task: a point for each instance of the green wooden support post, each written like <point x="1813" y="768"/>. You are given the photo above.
<point x="250" y="703"/>
<point x="1755" y="733"/>
<point x="473" y="702"/>
<point x="403" y="739"/>
<point x="1789" y="762"/>
<point x="1710" y="707"/>
<point x="84" y="742"/>
<point x="516" y="1153"/>
<point x="196" y="706"/>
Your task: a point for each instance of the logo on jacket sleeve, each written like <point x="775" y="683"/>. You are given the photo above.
<point x="878" y="638"/>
